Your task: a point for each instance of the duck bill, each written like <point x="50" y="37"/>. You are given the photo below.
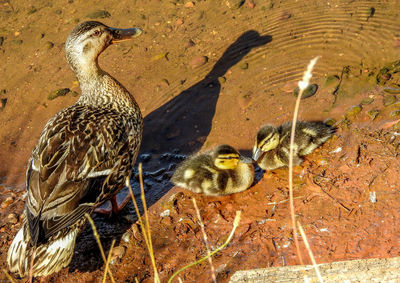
<point x="124" y="34"/>
<point x="256" y="153"/>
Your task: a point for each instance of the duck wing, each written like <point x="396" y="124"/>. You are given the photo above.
<point x="82" y="158"/>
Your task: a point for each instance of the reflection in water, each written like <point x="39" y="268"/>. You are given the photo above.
<point x="185" y="121"/>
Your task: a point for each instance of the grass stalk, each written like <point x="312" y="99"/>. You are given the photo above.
<point x="302" y="86"/>
<point x="310" y="253"/>
<point x="214" y="278"/>
<point x="31" y="265"/>
<point x="108" y="261"/>
<point x="235" y="225"/>
<point x="8" y="276"/>
<point x="145" y="226"/>
<point x="96" y="235"/>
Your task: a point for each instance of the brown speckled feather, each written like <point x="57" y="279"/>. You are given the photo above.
<point x="78" y="146"/>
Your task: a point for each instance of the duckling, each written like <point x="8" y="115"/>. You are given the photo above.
<point x="271" y="149"/>
<point x="82" y="159"/>
<point x="221" y="171"/>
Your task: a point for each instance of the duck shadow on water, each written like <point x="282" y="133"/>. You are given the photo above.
<point x="175" y="129"/>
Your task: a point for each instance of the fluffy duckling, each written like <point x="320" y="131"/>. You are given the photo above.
<point x="221" y="171"/>
<point x="82" y="159"/>
<point x="271" y="149"/>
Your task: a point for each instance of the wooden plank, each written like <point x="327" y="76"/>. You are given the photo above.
<point x="362" y="270"/>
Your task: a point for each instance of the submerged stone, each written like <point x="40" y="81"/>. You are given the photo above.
<point x="99" y="14"/>
<point x="389" y="99"/>
<point x="57" y="93"/>
<point x="373" y="114"/>
<point x="367" y="101"/>
<point x="395" y="114"/>
<point x="308" y="92"/>
<point x="353" y="111"/>
<point x="392" y="89"/>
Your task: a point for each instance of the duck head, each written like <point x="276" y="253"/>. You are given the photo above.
<point x="266" y="140"/>
<point x="89" y="39"/>
<point x="227" y="158"/>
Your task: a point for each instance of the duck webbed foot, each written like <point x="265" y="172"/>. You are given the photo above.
<point x="116" y="206"/>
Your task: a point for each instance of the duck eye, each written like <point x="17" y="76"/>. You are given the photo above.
<point x="96" y="33"/>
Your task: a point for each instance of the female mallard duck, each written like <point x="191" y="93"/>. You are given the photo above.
<point x="271" y="149"/>
<point x="82" y="159"/>
<point x="222" y="171"/>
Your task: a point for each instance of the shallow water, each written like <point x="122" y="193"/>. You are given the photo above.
<point x="260" y="52"/>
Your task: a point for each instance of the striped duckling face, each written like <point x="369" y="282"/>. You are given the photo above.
<point x="228" y="158"/>
<point x="266" y="140"/>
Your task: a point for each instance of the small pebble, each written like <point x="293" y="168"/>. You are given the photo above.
<point x="179" y="22"/>
<point x="389" y="99"/>
<point x="160" y="56"/>
<point x="57" y="93"/>
<point x="367" y="101"/>
<point x="285" y="15"/>
<point x="396" y="127"/>
<point x="373" y="114"/>
<point x="244" y="66"/>
<point x="117" y="253"/>
<point x="32" y="10"/>
<point x="221" y="80"/>
<point x="7" y="202"/>
<point x="372" y="197"/>
<point x="126" y="237"/>
<point x="99" y="14"/>
<point x="12" y="218"/>
<point x="395" y="113"/>
<point x="49" y="45"/>
<point x="251" y="4"/>
<point x="164" y="82"/>
<point x="234" y="4"/>
<point x="392" y="89"/>
<point x="353" y="111"/>
<point x="190" y="43"/>
<point x="189" y="4"/>
<point x="198" y="61"/>
<point x="165" y="213"/>
<point x="331" y="81"/>
<point x="3" y="103"/>
<point x="382" y="78"/>
<point x="245" y="100"/>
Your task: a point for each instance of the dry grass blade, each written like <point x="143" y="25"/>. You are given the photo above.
<point x="96" y="235"/>
<point x="31" y="265"/>
<point x="310" y="253"/>
<point x="214" y="278"/>
<point x="144" y="226"/>
<point x="302" y="85"/>
<point x="8" y="276"/>
<point x="235" y="225"/>
<point x="108" y="261"/>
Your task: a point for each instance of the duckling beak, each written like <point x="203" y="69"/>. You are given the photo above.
<point x="256" y="153"/>
<point x="124" y="34"/>
<point x="245" y="159"/>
